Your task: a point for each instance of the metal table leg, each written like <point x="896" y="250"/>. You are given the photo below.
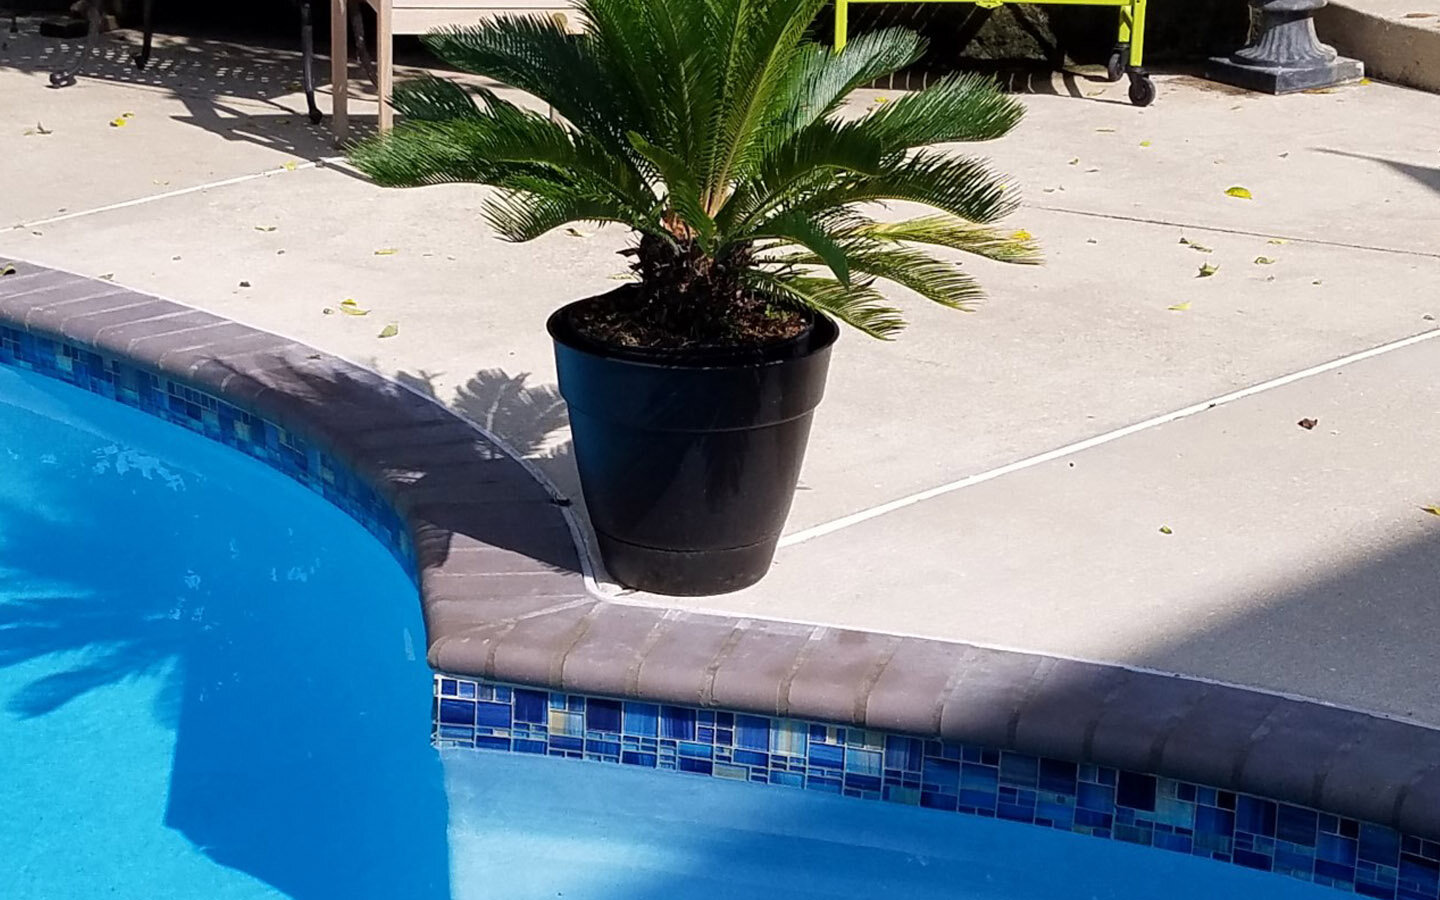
<point x="66" y="77"/>
<point x="143" y="56"/>
<point x="307" y="48"/>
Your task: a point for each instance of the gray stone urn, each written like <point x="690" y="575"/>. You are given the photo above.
<point x="1284" y="54"/>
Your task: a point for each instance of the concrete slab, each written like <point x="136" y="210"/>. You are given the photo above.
<point x="1077" y="348"/>
<point x="1298" y="560"/>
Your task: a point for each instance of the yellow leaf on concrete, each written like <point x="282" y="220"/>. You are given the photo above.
<point x="575" y="232"/>
<point x="292" y="165"/>
<point x="390" y="330"/>
<point x="1432" y="510"/>
<point x="1264" y="261"/>
<point x="118" y="123"/>
<point x="1165" y="529"/>
<point x="1022" y="236"/>
<point x="386" y="251"/>
<point x="7" y="269"/>
<point x="266" y="228"/>
<point x="350" y="308"/>
<point x="1242" y="193"/>
<point x="1144" y="143"/>
<point x="1277" y="241"/>
<point x="1207" y="270"/>
<point x="1180" y="307"/>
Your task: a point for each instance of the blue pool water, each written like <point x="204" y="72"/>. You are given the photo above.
<point x="212" y="687"/>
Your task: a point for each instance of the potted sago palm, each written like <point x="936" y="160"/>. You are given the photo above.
<point x="717" y="134"/>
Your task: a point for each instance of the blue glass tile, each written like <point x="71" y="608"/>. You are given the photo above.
<point x="724" y="720"/>
<point x="1293" y="859"/>
<point x="604" y="748"/>
<point x="525" y="746"/>
<point x="937" y="800"/>
<point x="752" y="732"/>
<point x="828" y="785"/>
<point x="1019" y="769"/>
<point x="1095" y="797"/>
<point x="904" y="753"/>
<point x="1369" y="889"/>
<point x="701" y="766"/>
<point x="449" y="687"/>
<point x="1255" y="815"/>
<point x="558" y="742"/>
<point x="1212" y="821"/>
<point x="1296" y="825"/>
<point x="457" y="712"/>
<point x="1135" y="791"/>
<point x="1252" y="860"/>
<point x="724" y="736"/>
<point x="1419" y="874"/>
<point x="1093" y="819"/>
<point x="492" y="743"/>
<point x="635" y="758"/>
<point x="1349" y="828"/>
<point x="1057" y="776"/>
<point x="531" y="706"/>
<point x="1379" y="844"/>
<point x="677" y="722"/>
<point x="789" y="779"/>
<point x="827" y="756"/>
<point x="602" y="715"/>
<point x="493" y="715"/>
<point x="863" y="762"/>
<point x="1336" y="849"/>
<point x="696" y="751"/>
<point x="752" y="758"/>
<point x="817" y="732"/>
<point x="862" y="782"/>
<point x="455" y="732"/>
<point x="467" y="689"/>
<point x="1205" y="796"/>
<point x="1335" y="872"/>
<point x="1177" y="842"/>
<point x="705" y="733"/>
<point x="642" y="719"/>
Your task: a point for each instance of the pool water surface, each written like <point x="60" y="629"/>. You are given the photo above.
<point x="213" y="685"/>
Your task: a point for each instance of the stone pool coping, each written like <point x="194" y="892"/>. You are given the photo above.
<point x="504" y="598"/>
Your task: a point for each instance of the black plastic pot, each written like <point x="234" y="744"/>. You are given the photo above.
<point x="688" y="459"/>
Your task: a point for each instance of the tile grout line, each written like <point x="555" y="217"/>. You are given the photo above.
<point x="179" y="192"/>
<point x="1071" y="449"/>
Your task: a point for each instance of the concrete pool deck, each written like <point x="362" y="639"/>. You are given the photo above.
<point x="1298" y="560"/>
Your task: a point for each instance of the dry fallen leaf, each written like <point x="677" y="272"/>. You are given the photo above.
<point x="7" y="269"/>
<point x="1106" y="130"/>
<point x="624" y="276"/>
<point x="1194" y="246"/>
<point x="292" y="165"/>
<point x="390" y="330"/>
<point x="265" y="227"/>
<point x="1075" y="161"/>
<point x="327" y="311"/>
<point x="1165" y="529"/>
<point x="1242" y="193"/>
<point x="1277" y="241"/>
<point x="1144" y="143"/>
<point x="882" y="99"/>
<point x="386" y="251"/>
<point x="118" y="123"/>
<point x="1180" y="307"/>
<point x="1022" y="236"/>
<point x="1264" y="261"/>
<point x="575" y="232"/>
<point x="350" y="308"/>
<point x="108" y="276"/>
<point x="1308" y="424"/>
<point x="244" y="284"/>
<point x="1207" y="270"/>
<point x="1432" y="510"/>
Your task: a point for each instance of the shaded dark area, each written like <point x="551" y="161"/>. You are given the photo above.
<point x="301" y="752"/>
<point x="1427" y="176"/>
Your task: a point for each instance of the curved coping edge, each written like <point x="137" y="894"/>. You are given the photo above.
<point x="504" y="599"/>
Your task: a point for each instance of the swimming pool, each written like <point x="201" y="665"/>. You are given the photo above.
<point x="212" y="685"/>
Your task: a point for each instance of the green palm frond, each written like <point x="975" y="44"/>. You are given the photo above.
<point x="857" y="304"/>
<point x="715" y="130"/>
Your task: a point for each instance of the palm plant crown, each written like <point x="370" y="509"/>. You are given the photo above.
<point x="715" y="130"/>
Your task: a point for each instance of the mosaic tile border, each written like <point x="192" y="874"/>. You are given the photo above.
<point x="1101" y="801"/>
<point x="194" y="410"/>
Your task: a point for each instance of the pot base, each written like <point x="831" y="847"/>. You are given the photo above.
<point x="685" y="573"/>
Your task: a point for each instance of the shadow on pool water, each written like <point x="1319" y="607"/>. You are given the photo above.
<point x="273" y="641"/>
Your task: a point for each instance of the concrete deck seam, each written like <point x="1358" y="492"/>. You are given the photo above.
<point x="1071" y="449"/>
<point x="1219" y="229"/>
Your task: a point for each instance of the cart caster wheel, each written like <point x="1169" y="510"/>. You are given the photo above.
<point x="140" y="60"/>
<point x="61" y="79"/>
<point x="1142" y="89"/>
<point x="1115" y="68"/>
<point x="316" y="116"/>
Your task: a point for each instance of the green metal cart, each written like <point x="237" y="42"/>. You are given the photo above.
<point x="1128" y="58"/>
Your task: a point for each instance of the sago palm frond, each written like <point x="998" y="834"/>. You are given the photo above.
<point x="714" y="129"/>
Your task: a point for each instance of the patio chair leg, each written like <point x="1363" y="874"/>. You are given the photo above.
<point x="143" y="56"/>
<point x="66" y="77"/>
<point x="362" y="48"/>
<point x="307" y="51"/>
